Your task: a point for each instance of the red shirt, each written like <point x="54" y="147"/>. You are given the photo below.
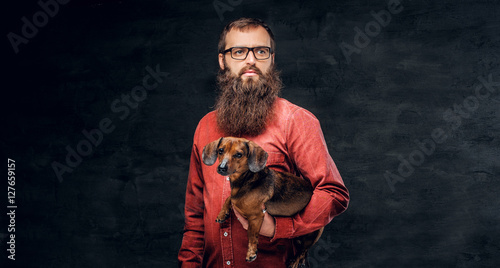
<point x="295" y="143"/>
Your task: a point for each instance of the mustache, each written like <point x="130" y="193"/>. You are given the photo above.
<point x="253" y="68"/>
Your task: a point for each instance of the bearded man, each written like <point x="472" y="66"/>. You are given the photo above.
<point x="248" y="106"/>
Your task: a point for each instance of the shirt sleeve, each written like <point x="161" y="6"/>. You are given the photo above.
<point x="307" y="149"/>
<point x="191" y="251"/>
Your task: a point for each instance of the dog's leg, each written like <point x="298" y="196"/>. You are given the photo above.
<point x="224" y="212"/>
<point x="303" y="244"/>
<point x="254" y="224"/>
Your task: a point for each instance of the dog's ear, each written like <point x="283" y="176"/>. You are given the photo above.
<point x="209" y="154"/>
<point x="257" y="157"/>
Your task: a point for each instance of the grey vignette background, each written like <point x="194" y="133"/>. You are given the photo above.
<point x="412" y="204"/>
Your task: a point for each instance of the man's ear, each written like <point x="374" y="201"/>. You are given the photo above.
<point x="257" y="157"/>
<point x="209" y="154"/>
<point x="221" y="61"/>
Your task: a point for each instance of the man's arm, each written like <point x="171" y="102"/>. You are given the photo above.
<point x="191" y="251"/>
<point x="307" y="149"/>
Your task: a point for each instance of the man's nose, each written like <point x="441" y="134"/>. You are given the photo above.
<point x="250" y="58"/>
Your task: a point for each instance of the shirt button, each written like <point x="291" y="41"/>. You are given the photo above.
<point x="225" y="233"/>
<point x="228" y="263"/>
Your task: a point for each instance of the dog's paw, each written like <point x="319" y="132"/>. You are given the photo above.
<point x="221" y="219"/>
<point x="251" y="257"/>
<point x="296" y="264"/>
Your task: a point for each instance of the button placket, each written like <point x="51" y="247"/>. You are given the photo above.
<point x="225" y="231"/>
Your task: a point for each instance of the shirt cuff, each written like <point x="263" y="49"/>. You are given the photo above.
<point x="284" y="228"/>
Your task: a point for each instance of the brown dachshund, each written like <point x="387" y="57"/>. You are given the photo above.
<point x="254" y="186"/>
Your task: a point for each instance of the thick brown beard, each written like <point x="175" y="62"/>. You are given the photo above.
<point x="244" y="107"/>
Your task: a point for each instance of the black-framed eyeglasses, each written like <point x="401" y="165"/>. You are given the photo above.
<point x="241" y="53"/>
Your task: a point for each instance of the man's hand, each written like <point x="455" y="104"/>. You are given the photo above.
<point x="268" y="225"/>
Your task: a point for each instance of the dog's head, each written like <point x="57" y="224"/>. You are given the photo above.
<point x="236" y="155"/>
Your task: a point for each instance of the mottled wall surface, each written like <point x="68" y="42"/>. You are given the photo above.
<point x="408" y="96"/>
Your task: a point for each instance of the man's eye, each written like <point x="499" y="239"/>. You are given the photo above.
<point x="262" y="50"/>
<point x="238" y="51"/>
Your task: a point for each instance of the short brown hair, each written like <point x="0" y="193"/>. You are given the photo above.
<point x="243" y="23"/>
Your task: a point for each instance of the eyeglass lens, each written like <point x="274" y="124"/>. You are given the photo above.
<point x="240" y="53"/>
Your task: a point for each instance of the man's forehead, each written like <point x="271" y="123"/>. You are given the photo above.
<point x="248" y="37"/>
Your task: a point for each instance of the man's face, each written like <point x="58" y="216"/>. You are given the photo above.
<point x="249" y="37"/>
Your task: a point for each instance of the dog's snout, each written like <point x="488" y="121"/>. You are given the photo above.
<point x="223" y="164"/>
<point x="222" y="168"/>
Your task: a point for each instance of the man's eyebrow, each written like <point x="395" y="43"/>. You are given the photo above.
<point x="249" y="46"/>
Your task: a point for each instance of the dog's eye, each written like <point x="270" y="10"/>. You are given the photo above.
<point x="238" y="155"/>
<point x="221" y="151"/>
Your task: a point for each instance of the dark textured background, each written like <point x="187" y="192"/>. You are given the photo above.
<point x="122" y="206"/>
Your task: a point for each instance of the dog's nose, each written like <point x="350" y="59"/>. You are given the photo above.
<point x="222" y="169"/>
